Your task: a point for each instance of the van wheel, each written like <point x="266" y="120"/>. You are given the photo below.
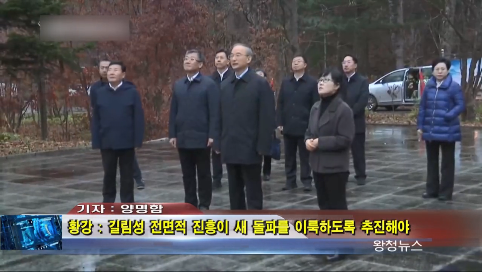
<point x="372" y="103"/>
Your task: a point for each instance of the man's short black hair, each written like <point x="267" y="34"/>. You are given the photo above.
<point x="123" y="67"/>
<point x="222" y="51"/>
<point x="441" y="60"/>
<point x="200" y="56"/>
<point x="102" y="59"/>
<point x="299" y="55"/>
<point x="355" y="60"/>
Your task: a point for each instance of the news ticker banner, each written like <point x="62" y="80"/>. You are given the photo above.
<point x="160" y="228"/>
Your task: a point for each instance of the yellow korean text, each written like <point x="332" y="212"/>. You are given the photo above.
<point x="382" y="227"/>
<point x="126" y="227"/>
<point x="324" y="226"/>
<point x="276" y="227"/>
<point x="168" y="227"/>
<point x="77" y="227"/>
<point x="210" y="227"/>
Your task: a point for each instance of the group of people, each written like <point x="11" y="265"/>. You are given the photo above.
<point x="231" y="118"/>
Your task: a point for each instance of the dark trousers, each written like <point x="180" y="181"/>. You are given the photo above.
<point x="292" y="144"/>
<point x="125" y="159"/>
<point x="241" y="176"/>
<point x="137" y="171"/>
<point x="266" y="165"/>
<point x="331" y="190"/>
<point x="358" y="154"/>
<point x="192" y="161"/>
<point x="217" y="167"/>
<point x="435" y="185"/>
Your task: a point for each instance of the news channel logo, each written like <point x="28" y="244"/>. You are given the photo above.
<point x="31" y="232"/>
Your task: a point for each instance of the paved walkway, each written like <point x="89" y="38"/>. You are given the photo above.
<point x="53" y="184"/>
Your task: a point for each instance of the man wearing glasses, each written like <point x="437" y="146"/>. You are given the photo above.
<point x="247" y="119"/>
<point x="356" y="97"/>
<point x="194" y="128"/>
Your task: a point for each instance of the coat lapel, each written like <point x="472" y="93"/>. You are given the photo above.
<point x="328" y="114"/>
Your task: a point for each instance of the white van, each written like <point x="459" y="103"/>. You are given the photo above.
<point x="399" y="87"/>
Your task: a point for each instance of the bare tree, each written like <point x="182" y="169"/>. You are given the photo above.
<point x="395" y="8"/>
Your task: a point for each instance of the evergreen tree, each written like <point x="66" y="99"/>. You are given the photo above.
<point x="24" y="51"/>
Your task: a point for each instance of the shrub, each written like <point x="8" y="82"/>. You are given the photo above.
<point x="7" y="137"/>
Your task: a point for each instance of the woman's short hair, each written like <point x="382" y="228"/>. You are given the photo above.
<point x="338" y="79"/>
<point x="441" y="60"/>
<point x="336" y="75"/>
<point x="262" y="71"/>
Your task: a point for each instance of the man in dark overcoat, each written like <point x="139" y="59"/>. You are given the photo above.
<point x="247" y="118"/>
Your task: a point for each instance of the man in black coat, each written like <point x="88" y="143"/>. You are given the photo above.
<point x="117" y="129"/>
<point x="221" y="74"/>
<point x="247" y="118"/>
<point x="298" y="93"/>
<point x="194" y="128"/>
<point x="357" y="98"/>
<point x="93" y="89"/>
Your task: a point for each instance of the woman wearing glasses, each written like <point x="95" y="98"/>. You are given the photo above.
<point x="331" y="129"/>
<point x="330" y="132"/>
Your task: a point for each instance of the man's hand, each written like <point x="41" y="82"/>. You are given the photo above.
<point x="173" y="142"/>
<point x="315" y="142"/>
<point x="210" y="142"/>
<point x="217" y="152"/>
<point x="419" y="134"/>
<point x="309" y="145"/>
<point x="280" y="128"/>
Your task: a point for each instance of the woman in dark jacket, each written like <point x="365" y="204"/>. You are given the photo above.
<point x="330" y="132"/>
<point x="266" y="159"/>
<point x="439" y="126"/>
<point x="329" y="135"/>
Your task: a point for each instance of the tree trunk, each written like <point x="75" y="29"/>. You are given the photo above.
<point x="289" y="10"/>
<point x="396" y="20"/>
<point x="448" y="34"/>
<point x="42" y="101"/>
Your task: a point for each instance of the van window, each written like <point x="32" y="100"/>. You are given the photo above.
<point x="394" y="77"/>
<point x="427" y="73"/>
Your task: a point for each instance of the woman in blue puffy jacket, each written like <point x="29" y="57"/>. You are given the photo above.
<point x="438" y="125"/>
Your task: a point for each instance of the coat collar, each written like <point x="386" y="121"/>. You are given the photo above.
<point x="445" y="84"/>
<point x="226" y="74"/>
<point x="246" y="77"/>
<point x="328" y="114"/>
<point x="302" y="78"/>
<point x="353" y="78"/>
<point x="198" y="78"/>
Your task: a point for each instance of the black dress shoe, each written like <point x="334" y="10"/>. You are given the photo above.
<point x="335" y="257"/>
<point x="444" y="198"/>
<point x="202" y="208"/>
<point x="286" y="188"/>
<point x="266" y="177"/>
<point x="360" y="181"/>
<point x="307" y="189"/>
<point x="426" y="195"/>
